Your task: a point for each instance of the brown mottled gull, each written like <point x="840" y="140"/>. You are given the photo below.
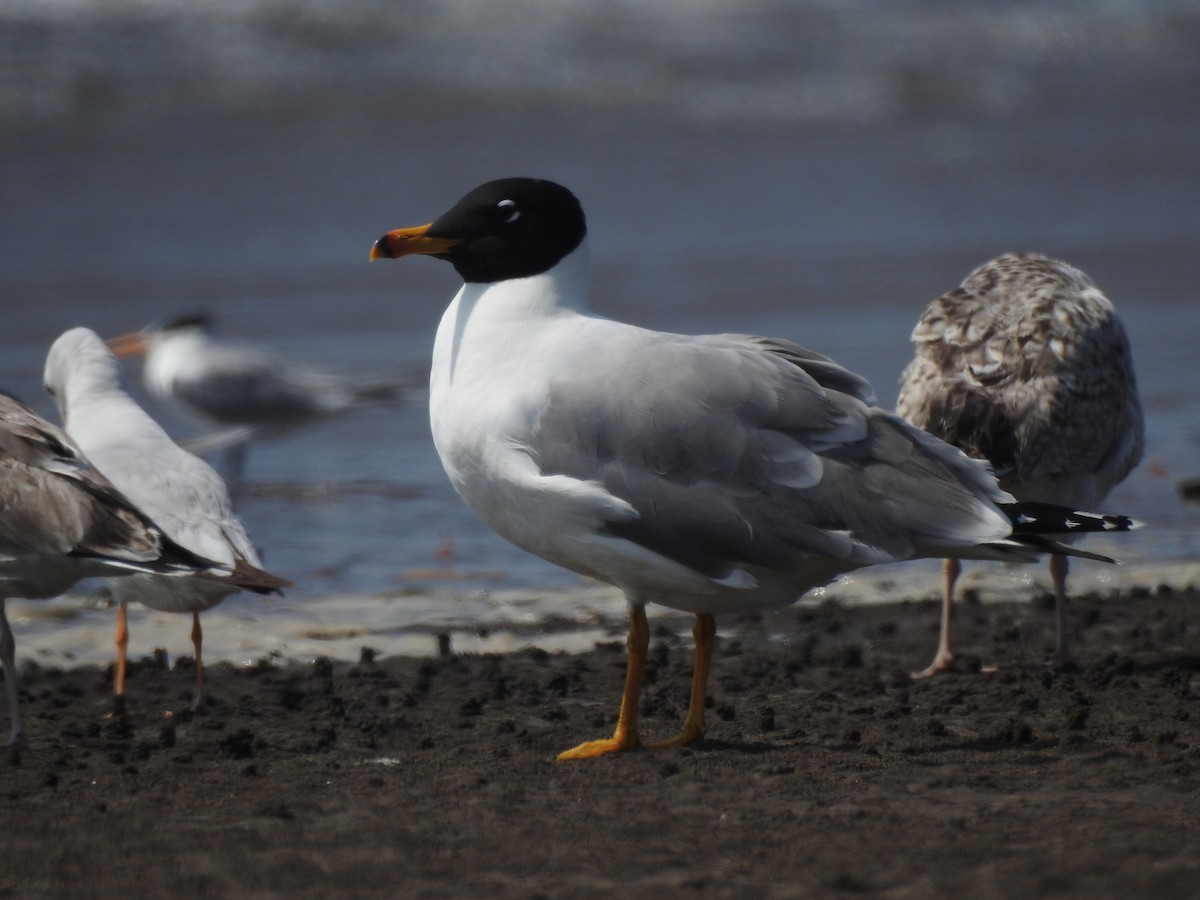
<point x="1027" y="365"/>
<point x="60" y="521"/>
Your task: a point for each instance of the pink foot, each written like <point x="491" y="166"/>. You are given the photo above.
<point x="943" y="662"/>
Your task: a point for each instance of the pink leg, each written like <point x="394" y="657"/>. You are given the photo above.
<point x="1058" y="573"/>
<point x="944" y="658"/>
<point x="197" y="640"/>
<point x="8" y="647"/>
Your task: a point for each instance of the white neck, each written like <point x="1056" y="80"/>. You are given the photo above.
<point x="488" y="316"/>
<point x="562" y="287"/>
<point x="170" y="356"/>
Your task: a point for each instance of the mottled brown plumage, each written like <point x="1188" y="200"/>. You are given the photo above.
<point x="60" y="521"/>
<point x="1028" y="366"/>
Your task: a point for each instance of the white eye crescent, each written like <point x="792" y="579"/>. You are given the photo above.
<point x="510" y="208"/>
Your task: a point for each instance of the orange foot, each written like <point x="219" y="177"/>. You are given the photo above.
<point x="618" y="743"/>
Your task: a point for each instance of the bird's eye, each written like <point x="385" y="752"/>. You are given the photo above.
<point x="509" y="210"/>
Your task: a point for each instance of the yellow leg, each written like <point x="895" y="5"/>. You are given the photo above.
<point x="705" y="633"/>
<point x="197" y="640"/>
<point x="122" y="644"/>
<point x="626" y="735"/>
<point x="943" y="660"/>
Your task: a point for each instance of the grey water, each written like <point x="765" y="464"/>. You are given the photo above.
<point x="813" y="171"/>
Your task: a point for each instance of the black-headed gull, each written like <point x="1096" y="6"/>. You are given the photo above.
<point x="705" y="473"/>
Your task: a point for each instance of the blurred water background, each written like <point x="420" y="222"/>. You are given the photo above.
<point x="810" y="169"/>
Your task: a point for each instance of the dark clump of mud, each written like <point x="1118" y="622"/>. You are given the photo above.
<point x="826" y="770"/>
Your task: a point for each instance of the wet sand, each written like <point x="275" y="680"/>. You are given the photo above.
<point x="826" y="770"/>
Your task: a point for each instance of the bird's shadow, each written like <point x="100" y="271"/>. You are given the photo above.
<point x="749" y="748"/>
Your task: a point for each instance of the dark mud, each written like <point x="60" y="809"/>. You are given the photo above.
<point x="826" y="771"/>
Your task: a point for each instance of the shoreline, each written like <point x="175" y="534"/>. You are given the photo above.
<point x="412" y="621"/>
<point x="825" y="771"/>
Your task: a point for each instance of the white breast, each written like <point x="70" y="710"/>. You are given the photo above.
<point x="498" y="349"/>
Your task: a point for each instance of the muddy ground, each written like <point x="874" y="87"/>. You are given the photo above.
<point x="826" y="770"/>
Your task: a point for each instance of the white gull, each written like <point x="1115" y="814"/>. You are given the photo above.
<point x="177" y="490"/>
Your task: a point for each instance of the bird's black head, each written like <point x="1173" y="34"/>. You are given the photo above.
<point x="199" y="320"/>
<point x="510" y="228"/>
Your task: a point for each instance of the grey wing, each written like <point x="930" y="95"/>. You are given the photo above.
<point x="823" y="370"/>
<point x="180" y="493"/>
<point x="733" y="453"/>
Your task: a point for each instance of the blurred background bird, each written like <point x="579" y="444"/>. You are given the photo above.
<point x="178" y="490"/>
<point x="243" y="391"/>
<point x="1028" y="366"/>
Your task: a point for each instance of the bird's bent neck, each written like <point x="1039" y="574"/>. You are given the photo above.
<point x="91" y="378"/>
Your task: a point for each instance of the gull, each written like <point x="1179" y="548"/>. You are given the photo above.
<point x="178" y="491"/>
<point x="247" y="392"/>
<point x="1028" y="366"/>
<point x="709" y="474"/>
<point x="61" y="521"/>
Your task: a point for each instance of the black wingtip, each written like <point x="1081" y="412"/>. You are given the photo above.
<point x="1031" y="517"/>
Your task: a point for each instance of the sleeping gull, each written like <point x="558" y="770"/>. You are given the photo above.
<point x="1027" y="366"/>
<point x="704" y="473"/>
<point x="246" y="391"/>
<point x="178" y="491"/>
<point x="60" y="521"/>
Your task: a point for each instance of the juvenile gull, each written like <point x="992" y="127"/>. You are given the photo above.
<point x="245" y="391"/>
<point x="178" y="491"/>
<point x="60" y="521"/>
<point x="708" y="474"/>
<point x="1027" y="365"/>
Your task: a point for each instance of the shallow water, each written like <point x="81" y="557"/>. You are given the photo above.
<point x="823" y="198"/>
